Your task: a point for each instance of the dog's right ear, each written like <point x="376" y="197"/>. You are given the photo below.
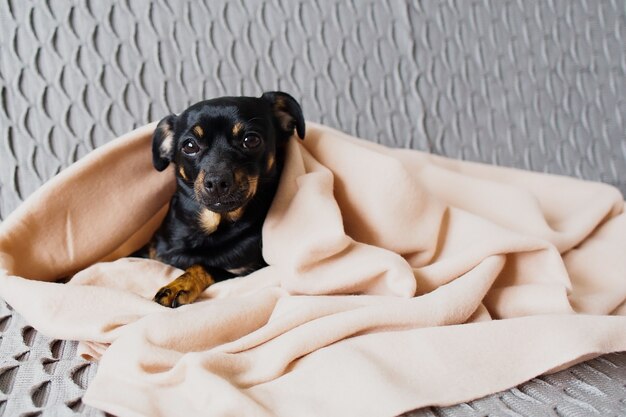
<point x="287" y="112"/>
<point x="163" y="143"/>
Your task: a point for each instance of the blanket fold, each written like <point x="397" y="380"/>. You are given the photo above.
<point x="396" y="280"/>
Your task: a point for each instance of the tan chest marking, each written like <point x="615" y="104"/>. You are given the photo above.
<point x="209" y="220"/>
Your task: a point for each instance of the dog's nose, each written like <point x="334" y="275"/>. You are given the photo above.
<point x="218" y="184"/>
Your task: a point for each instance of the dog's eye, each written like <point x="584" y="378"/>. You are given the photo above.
<point x="190" y="147"/>
<point x="251" y="141"/>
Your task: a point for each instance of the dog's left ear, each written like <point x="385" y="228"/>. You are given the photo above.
<point x="163" y="143"/>
<point x="287" y="111"/>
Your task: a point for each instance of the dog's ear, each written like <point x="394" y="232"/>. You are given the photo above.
<point x="287" y="111"/>
<point x="163" y="143"/>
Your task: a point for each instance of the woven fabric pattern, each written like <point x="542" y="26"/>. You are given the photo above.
<point x="531" y="84"/>
<point x="594" y="388"/>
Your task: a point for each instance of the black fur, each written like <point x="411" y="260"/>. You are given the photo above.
<point x="234" y="245"/>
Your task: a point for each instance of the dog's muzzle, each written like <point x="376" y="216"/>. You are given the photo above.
<point x="223" y="191"/>
<point x="218" y="186"/>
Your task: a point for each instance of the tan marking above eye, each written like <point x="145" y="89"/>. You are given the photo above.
<point x="209" y="220"/>
<point x="198" y="131"/>
<point x="237" y="127"/>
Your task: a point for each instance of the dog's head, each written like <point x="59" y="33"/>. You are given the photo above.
<point x="224" y="148"/>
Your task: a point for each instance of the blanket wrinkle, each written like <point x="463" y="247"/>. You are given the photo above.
<point x="69" y="238"/>
<point x="396" y="280"/>
<point x="89" y="311"/>
<point x="378" y="218"/>
<point x="291" y="205"/>
<point x="309" y="332"/>
<point x="460" y="252"/>
<point x="86" y="183"/>
<point x="391" y="274"/>
<point x="317" y="247"/>
<point x="562" y="212"/>
<point x="606" y="295"/>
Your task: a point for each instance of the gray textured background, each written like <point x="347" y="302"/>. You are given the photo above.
<point x="532" y="84"/>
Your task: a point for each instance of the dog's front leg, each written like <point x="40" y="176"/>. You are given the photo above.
<point x="186" y="288"/>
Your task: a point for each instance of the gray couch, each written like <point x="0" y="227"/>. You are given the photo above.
<point x="538" y="85"/>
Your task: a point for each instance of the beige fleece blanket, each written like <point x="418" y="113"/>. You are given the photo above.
<point x="397" y="280"/>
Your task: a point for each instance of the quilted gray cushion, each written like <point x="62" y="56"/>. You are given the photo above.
<point x="531" y="84"/>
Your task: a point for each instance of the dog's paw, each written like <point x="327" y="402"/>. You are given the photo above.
<point x="177" y="293"/>
<point x="184" y="289"/>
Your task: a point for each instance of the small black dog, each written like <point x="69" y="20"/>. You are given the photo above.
<point x="228" y="154"/>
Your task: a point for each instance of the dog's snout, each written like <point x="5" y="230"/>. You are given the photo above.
<point x="218" y="184"/>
